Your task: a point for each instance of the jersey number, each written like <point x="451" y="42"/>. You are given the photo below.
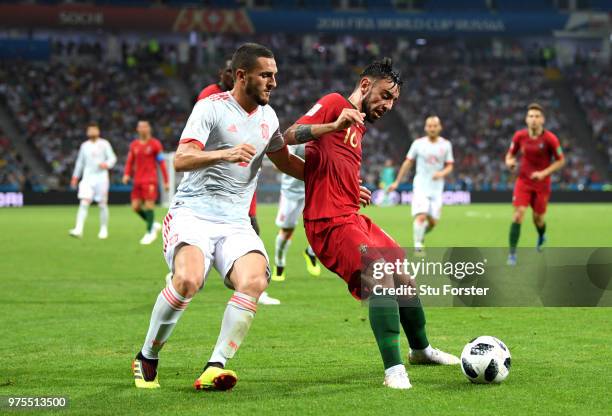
<point x="350" y="137"/>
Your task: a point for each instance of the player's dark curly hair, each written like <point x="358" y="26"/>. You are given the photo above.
<point x="383" y="69"/>
<point x="246" y="56"/>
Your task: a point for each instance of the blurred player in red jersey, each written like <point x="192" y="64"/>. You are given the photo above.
<point x="346" y="242"/>
<point x="144" y="156"/>
<point x="226" y="83"/>
<point x="538" y="148"/>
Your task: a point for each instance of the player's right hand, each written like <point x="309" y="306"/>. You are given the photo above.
<point x="347" y="118"/>
<point x="242" y="153"/>
<point x="392" y="187"/>
<point x="74" y="182"/>
<point x="125" y="179"/>
<point x="511" y="163"/>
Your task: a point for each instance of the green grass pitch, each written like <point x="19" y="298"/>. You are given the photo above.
<point x="75" y="312"/>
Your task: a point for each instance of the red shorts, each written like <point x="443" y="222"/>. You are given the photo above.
<point x="145" y="191"/>
<point x="346" y="246"/>
<point x="253" y="207"/>
<point x="526" y="194"/>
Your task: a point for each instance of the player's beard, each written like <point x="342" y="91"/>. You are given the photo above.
<point x="365" y="108"/>
<point x="252" y="91"/>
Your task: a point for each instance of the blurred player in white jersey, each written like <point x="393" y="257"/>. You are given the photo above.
<point x="221" y="150"/>
<point x="93" y="162"/>
<point x="290" y="209"/>
<point x="434" y="161"/>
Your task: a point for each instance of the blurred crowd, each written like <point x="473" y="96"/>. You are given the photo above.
<point x="14" y="174"/>
<point x="480" y="94"/>
<point x="593" y="91"/>
<point x="52" y="105"/>
<point x="481" y="107"/>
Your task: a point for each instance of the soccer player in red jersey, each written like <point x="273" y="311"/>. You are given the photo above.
<point x="538" y="148"/>
<point x="144" y="156"/>
<point x="226" y="83"/>
<point x="346" y="242"/>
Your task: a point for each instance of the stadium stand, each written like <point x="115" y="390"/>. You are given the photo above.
<point x="480" y="95"/>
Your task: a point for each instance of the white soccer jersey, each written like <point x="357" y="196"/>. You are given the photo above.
<point x="91" y="155"/>
<point x="291" y="187"/>
<point x="430" y="157"/>
<point x="223" y="191"/>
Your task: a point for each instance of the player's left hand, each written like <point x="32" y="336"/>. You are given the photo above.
<point x="365" y="196"/>
<point x="103" y="165"/>
<point x="437" y="175"/>
<point x="538" y="175"/>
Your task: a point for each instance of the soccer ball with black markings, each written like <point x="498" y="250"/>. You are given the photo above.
<point x="486" y="360"/>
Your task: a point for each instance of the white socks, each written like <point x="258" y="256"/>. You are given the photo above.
<point x="396" y="369"/>
<point x="280" y="250"/>
<point x="166" y="313"/>
<point x="418" y="233"/>
<point x="81" y="216"/>
<point x="103" y="216"/>
<point x="310" y="251"/>
<point x="237" y="319"/>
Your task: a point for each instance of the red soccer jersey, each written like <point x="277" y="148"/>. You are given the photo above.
<point x="209" y="90"/>
<point x="142" y="161"/>
<point x="331" y="171"/>
<point x="536" y="153"/>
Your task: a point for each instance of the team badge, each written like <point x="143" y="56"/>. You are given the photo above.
<point x="363" y="248"/>
<point x="265" y="131"/>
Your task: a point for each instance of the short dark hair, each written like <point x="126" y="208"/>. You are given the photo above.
<point x="246" y="56"/>
<point x="93" y="124"/>
<point x="536" y="106"/>
<point x="382" y="69"/>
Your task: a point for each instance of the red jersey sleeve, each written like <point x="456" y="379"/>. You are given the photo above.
<point x="129" y="164"/>
<point x="324" y="111"/>
<point x="159" y="149"/>
<point x="554" y="146"/>
<point x="516" y="144"/>
<point x="209" y="90"/>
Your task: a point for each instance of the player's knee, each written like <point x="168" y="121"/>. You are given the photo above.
<point x="420" y="219"/>
<point x="187" y="282"/>
<point x="378" y="275"/>
<point x="253" y="283"/>
<point x="538" y="219"/>
<point x="287" y="233"/>
<point x="518" y="216"/>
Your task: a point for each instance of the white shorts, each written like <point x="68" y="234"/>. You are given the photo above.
<point x="93" y="191"/>
<point x="289" y="212"/>
<point x="221" y="243"/>
<point x="424" y="204"/>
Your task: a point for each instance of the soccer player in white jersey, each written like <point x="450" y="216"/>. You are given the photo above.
<point x="95" y="159"/>
<point x="434" y="161"/>
<point x="290" y="207"/>
<point x="221" y="150"/>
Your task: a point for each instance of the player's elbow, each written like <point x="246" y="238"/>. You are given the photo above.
<point x="180" y="162"/>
